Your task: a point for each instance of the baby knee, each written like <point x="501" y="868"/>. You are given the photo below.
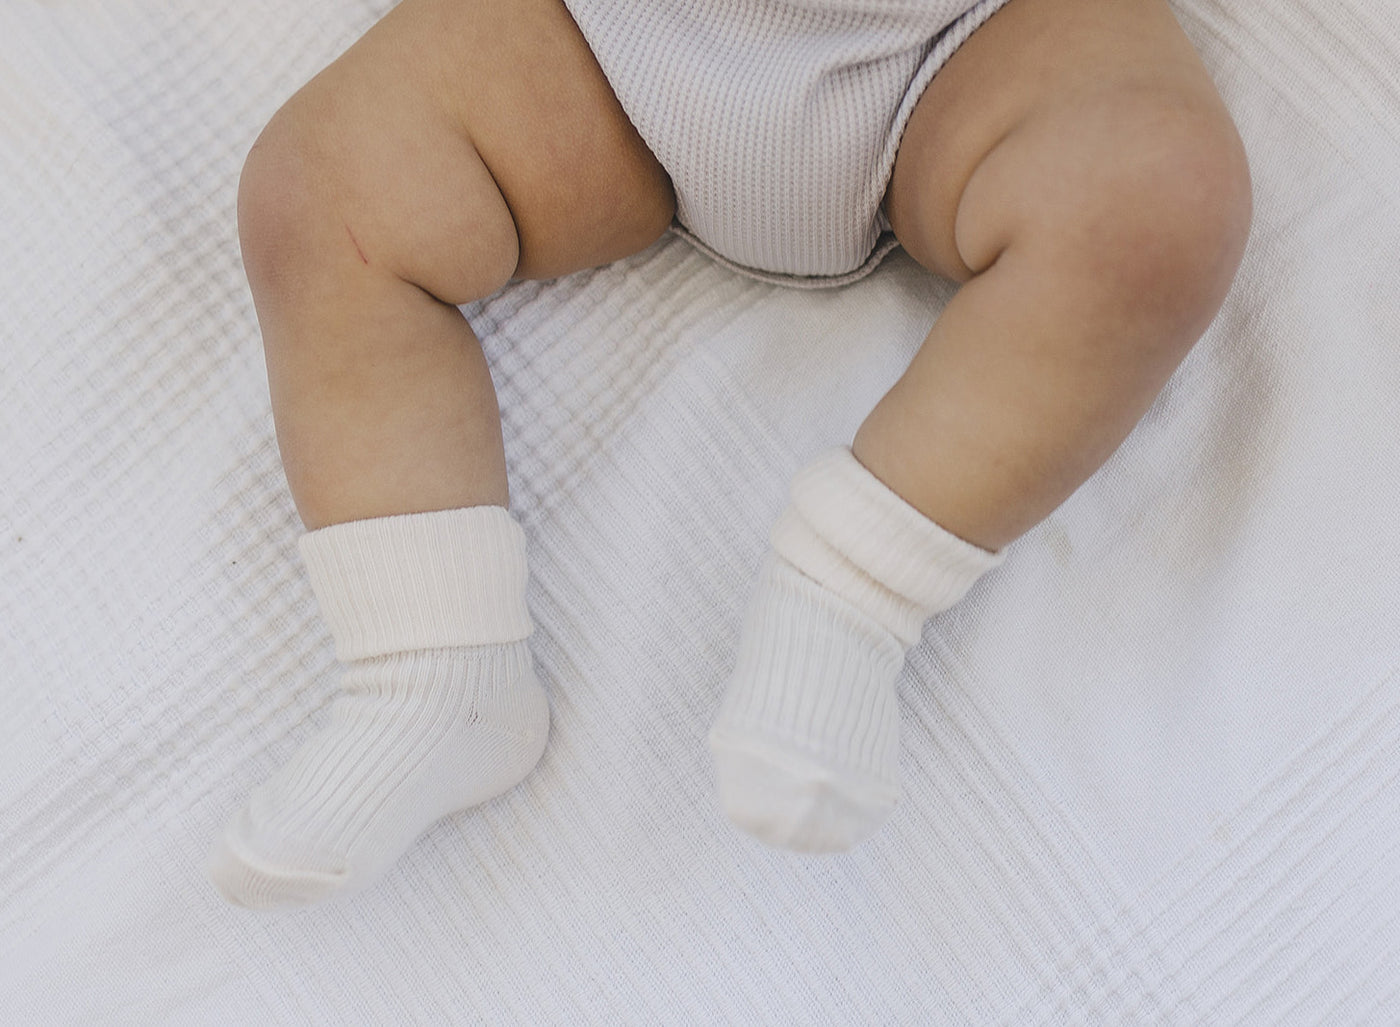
<point x="1167" y="222"/>
<point x="329" y="193"/>
<point x="278" y="207"/>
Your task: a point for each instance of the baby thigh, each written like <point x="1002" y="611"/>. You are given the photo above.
<point x="458" y="144"/>
<point x="1074" y="167"/>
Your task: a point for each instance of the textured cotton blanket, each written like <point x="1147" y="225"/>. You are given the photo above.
<point x="1151" y="766"/>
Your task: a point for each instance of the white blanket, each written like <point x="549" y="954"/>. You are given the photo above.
<point x="1151" y="766"/>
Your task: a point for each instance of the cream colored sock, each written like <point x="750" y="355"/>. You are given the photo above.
<point x="806" y="744"/>
<point x="440" y="708"/>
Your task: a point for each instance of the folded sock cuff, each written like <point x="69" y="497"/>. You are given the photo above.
<point x="420" y="581"/>
<point x="840" y="513"/>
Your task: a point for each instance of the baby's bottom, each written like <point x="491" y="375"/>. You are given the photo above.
<point x="1072" y="165"/>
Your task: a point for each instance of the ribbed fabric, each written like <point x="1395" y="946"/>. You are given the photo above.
<point x="423" y="728"/>
<point x="419" y="581"/>
<point x="414" y="737"/>
<point x="848" y="530"/>
<point x="806" y="746"/>
<point x="777" y="122"/>
<point x="806" y="743"/>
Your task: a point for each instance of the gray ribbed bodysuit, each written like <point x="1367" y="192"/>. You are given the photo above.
<point x="777" y="120"/>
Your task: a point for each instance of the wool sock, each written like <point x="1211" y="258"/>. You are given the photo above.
<point x="806" y="744"/>
<point x="440" y="708"/>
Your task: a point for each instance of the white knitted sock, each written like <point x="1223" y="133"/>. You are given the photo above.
<point x="806" y="744"/>
<point x="440" y="708"/>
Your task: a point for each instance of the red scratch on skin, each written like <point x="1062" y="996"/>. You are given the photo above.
<point x="356" y="244"/>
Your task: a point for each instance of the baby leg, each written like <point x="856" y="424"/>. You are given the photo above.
<point x="458" y="144"/>
<point x="1075" y="168"/>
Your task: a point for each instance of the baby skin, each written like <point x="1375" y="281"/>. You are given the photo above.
<point x="1072" y="166"/>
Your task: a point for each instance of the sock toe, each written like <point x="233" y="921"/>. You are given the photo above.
<point x="790" y="800"/>
<point x="247" y="879"/>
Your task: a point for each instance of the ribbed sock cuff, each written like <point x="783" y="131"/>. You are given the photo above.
<point x="818" y="675"/>
<point x="847" y="529"/>
<point x="420" y="581"/>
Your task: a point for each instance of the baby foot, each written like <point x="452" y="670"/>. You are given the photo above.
<point x="806" y="745"/>
<point x="441" y="708"/>
<point x="414" y="737"/>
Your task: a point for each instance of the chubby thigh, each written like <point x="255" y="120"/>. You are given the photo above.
<point x="464" y="142"/>
<point x="457" y="144"/>
<point x="1052" y="118"/>
<point x="1074" y="165"/>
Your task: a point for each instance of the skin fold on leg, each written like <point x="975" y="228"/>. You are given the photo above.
<point x="458" y="144"/>
<point x="1074" y="167"/>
